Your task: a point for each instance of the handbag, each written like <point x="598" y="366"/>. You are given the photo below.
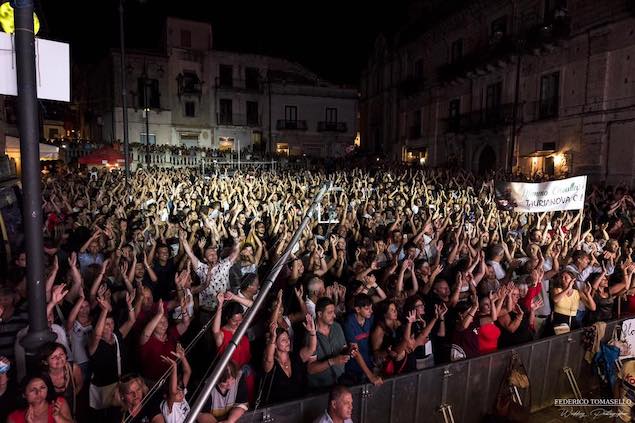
<point x="618" y="341"/>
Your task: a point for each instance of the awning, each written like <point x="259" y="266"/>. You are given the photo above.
<point x="47" y="151"/>
<point x="103" y="156"/>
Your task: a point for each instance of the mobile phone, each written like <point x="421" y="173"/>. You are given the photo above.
<point x="4" y="367"/>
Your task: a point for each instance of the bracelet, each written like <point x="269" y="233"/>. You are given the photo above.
<point x="312" y="333"/>
<point x="131" y="309"/>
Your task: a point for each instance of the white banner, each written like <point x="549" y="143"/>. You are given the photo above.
<point x="565" y="194"/>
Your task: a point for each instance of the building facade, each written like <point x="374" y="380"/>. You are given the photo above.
<point x="539" y="86"/>
<point x="195" y="96"/>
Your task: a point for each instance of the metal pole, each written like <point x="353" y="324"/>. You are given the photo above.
<point x="251" y="313"/>
<point x="124" y="101"/>
<point x="238" y="140"/>
<point x="28" y="125"/>
<point x="270" y="136"/>
<point x="512" y="140"/>
<point x="147" y="104"/>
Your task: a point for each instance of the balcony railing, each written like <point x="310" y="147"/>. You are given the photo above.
<point x="299" y="125"/>
<point x="494" y="53"/>
<point x="482" y="119"/>
<point x="238" y="119"/>
<point x="411" y="86"/>
<point x="548" y="32"/>
<point x="538" y="110"/>
<point x="238" y="84"/>
<point x="324" y="126"/>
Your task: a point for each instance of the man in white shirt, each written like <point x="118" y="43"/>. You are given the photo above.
<point x="340" y="408"/>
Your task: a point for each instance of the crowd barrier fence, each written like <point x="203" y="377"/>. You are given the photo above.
<point x="468" y="389"/>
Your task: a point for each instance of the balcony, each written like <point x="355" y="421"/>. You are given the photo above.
<point x="494" y="54"/>
<point x="297" y="125"/>
<point x="485" y="119"/>
<point x="540" y="110"/>
<point x="235" y="84"/>
<point x="189" y="84"/>
<point x="233" y="119"/>
<point x="324" y="126"/>
<point x="410" y="87"/>
<point x="548" y="33"/>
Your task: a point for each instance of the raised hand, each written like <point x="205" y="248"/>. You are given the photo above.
<point x="309" y="324"/>
<point x="412" y="316"/>
<point x="58" y="294"/>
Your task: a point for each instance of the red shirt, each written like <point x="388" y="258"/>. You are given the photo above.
<point x="488" y="338"/>
<point x="152" y="367"/>
<point x="242" y="353"/>
<point x="19" y="416"/>
<point x="532" y="292"/>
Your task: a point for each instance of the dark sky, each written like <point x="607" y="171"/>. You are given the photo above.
<point x="331" y="38"/>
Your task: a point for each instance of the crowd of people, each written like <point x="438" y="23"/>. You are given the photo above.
<point x="406" y="268"/>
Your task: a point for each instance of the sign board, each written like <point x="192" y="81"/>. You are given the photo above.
<point x="564" y="194"/>
<point x="628" y="334"/>
<point x="52" y="64"/>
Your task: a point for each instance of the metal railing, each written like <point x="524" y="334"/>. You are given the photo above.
<point x="235" y="119"/>
<point x="251" y="312"/>
<point x="252" y="84"/>
<point x="299" y="125"/>
<point x="326" y="126"/>
<point x="468" y="388"/>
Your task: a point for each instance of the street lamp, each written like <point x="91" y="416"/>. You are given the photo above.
<point x="146" y="109"/>
<point x="124" y="102"/>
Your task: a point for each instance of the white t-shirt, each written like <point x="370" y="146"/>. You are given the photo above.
<point x="179" y="413"/>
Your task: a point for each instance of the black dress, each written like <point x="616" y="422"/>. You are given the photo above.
<point x="283" y="387"/>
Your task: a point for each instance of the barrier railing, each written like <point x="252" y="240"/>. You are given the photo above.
<point x="467" y="388"/>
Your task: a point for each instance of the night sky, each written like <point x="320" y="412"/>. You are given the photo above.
<point x="331" y="38"/>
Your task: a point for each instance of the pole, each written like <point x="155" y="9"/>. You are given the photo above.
<point x="28" y="124"/>
<point x="238" y="140"/>
<point x="270" y="136"/>
<point x="147" y="110"/>
<point x="124" y="101"/>
<point x="251" y="313"/>
<point x="512" y="139"/>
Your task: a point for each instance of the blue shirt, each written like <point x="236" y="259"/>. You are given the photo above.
<point x="359" y="335"/>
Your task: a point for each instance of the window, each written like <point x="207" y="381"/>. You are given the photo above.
<point x="493" y="101"/>
<point x="457" y="51"/>
<point x="225" y="111"/>
<point x="190" y="109"/>
<point x="252" y="113"/>
<point x="149" y="88"/>
<point x="54" y="133"/>
<point x="499" y="27"/>
<point x="549" y="90"/>
<point x="189" y="83"/>
<point x="152" y="139"/>
<point x="331" y="115"/>
<point x="252" y="78"/>
<point x="226" y="75"/>
<point x="186" y="38"/>
<point x="418" y="71"/>
<point x="290" y="113"/>
<point x="454" y="113"/>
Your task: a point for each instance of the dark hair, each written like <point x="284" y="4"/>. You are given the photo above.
<point x="231" y="370"/>
<point x="410" y="303"/>
<point x="337" y="392"/>
<point x="47" y="350"/>
<point x="322" y="303"/>
<point x="362" y="300"/>
<point x="578" y="254"/>
<point x="50" y="394"/>
<point x="229" y="310"/>
<point x="248" y="280"/>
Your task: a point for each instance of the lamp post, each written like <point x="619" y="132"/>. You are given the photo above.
<point x="39" y="332"/>
<point x="146" y="109"/>
<point x="124" y="101"/>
